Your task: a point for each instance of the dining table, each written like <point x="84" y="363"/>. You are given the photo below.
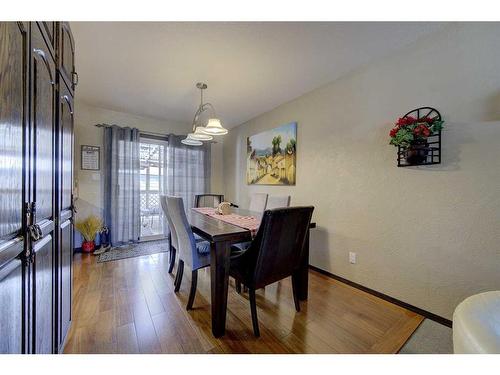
<point x="221" y="236"/>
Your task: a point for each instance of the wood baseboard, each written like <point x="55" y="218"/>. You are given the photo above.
<point x="418" y="310"/>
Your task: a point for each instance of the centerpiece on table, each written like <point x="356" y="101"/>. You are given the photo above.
<point x="411" y="134"/>
<point x="89" y="228"/>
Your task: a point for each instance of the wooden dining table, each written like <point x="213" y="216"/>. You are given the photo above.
<point x="221" y="236"/>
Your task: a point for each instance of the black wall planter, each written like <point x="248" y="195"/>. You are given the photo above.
<point x="423" y="152"/>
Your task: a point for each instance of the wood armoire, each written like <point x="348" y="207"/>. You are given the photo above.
<point x="37" y="83"/>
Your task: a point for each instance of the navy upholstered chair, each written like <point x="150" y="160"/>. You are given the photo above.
<point x="195" y="254"/>
<point x="172" y="239"/>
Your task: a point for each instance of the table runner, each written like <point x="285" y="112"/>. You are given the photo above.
<point x="247" y="222"/>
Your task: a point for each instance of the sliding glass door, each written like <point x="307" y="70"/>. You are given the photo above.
<point x="151" y="184"/>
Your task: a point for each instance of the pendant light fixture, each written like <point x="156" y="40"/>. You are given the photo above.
<point x="204" y="133"/>
<point x="188" y="141"/>
<point x="215" y="127"/>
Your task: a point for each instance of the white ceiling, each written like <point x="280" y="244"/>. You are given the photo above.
<point x="150" y="68"/>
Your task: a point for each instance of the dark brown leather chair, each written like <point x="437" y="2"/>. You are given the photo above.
<point x="274" y="254"/>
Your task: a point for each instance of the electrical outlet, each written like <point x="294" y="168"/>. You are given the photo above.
<point x="352" y="257"/>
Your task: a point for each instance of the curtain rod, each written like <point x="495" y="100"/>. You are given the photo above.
<point x="140" y="131"/>
<point x="144" y="131"/>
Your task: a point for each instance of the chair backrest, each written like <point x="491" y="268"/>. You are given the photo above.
<point x="208" y="200"/>
<point x="278" y="246"/>
<point x="186" y="244"/>
<point x="258" y="202"/>
<point x="164" y="207"/>
<point x="277" y="201"/>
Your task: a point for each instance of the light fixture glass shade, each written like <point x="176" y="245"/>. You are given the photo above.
<point x="191" y="142"/>
<point x="214" y="127"/>
<point x="200" y="135"/>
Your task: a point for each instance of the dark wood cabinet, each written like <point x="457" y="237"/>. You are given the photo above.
<point x="65" y="144"/>
<point x="43" y="189"/>
<point x="49" y="29"/>
<point x="11" y="306"/>
<point x="43" y="303"/>
<point x="65" y="209"/>
<point x="65" y="278"/>
<point x="36" y="180"/>
<point x="42" y="118"/>
<point x="66" y="55"/>
<point x="14" y="39"/>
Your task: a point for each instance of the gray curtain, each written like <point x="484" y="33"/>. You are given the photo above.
<point x="121" y="184"/>
<point x="187" y="170"/>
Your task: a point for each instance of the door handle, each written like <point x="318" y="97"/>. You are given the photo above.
<point x="75" y="81"/>
<point x="39" y="231"/>
<point x="68" y="102"/>
<point x="34" y="232"/>
<point x="42" y="55"/>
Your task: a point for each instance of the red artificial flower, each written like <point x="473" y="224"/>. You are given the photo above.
<point x="401" y="121"/>
<point x="410" y="120"/>
<point x="393" y="132"/>
<point x="422" y="130"/>
<point x="405" y="121"/>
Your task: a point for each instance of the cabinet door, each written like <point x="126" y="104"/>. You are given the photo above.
<point x="42" y="186"/>
<point x="49" y="29"/>
<point x="13" y="90"/>
<point x="66" y="145"/>
<point x="65" y="240"/>
<point x="12" y="110"/>
<point x="66" y="55"/>
<point x="66" y="260"/>
<point x="42" y="302"/>
<point x="11" y="307"/>
<point x="42" y="122"/>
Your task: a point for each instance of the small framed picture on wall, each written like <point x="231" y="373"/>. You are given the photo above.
<point x="90" y="158"/>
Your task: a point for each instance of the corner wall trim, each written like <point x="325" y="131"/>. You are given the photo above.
<point x="425" y="313"/>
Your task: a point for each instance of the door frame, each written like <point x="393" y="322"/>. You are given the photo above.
<point x="147" y="138"/>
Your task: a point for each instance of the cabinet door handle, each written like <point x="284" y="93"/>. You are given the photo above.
<point x="34" y="232"/>
<point x="39" y="231"/>
<point x="68" y="101"/>
<point x="41" y="53"/>
<point x="75" y="79"/>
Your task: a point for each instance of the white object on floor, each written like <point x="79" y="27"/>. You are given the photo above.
<point x="476" y="324"/>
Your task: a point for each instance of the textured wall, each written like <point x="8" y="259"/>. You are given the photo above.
<point x="429" y="236"/>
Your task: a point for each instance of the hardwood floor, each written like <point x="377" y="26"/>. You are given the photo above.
<point x="128" y="306"/>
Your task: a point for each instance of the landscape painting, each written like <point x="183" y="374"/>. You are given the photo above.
<point x="272" y="156"/>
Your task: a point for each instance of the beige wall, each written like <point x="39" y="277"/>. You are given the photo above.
<point x="217" y="172"/>
<point x="89" y="183"/>
<point x="429" y="236"/>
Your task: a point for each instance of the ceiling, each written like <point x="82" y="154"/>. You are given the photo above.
<point x="151" y="68"/>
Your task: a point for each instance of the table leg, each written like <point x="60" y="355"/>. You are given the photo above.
<point x="219" y="279"/>
<point x="303" y="272"/>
